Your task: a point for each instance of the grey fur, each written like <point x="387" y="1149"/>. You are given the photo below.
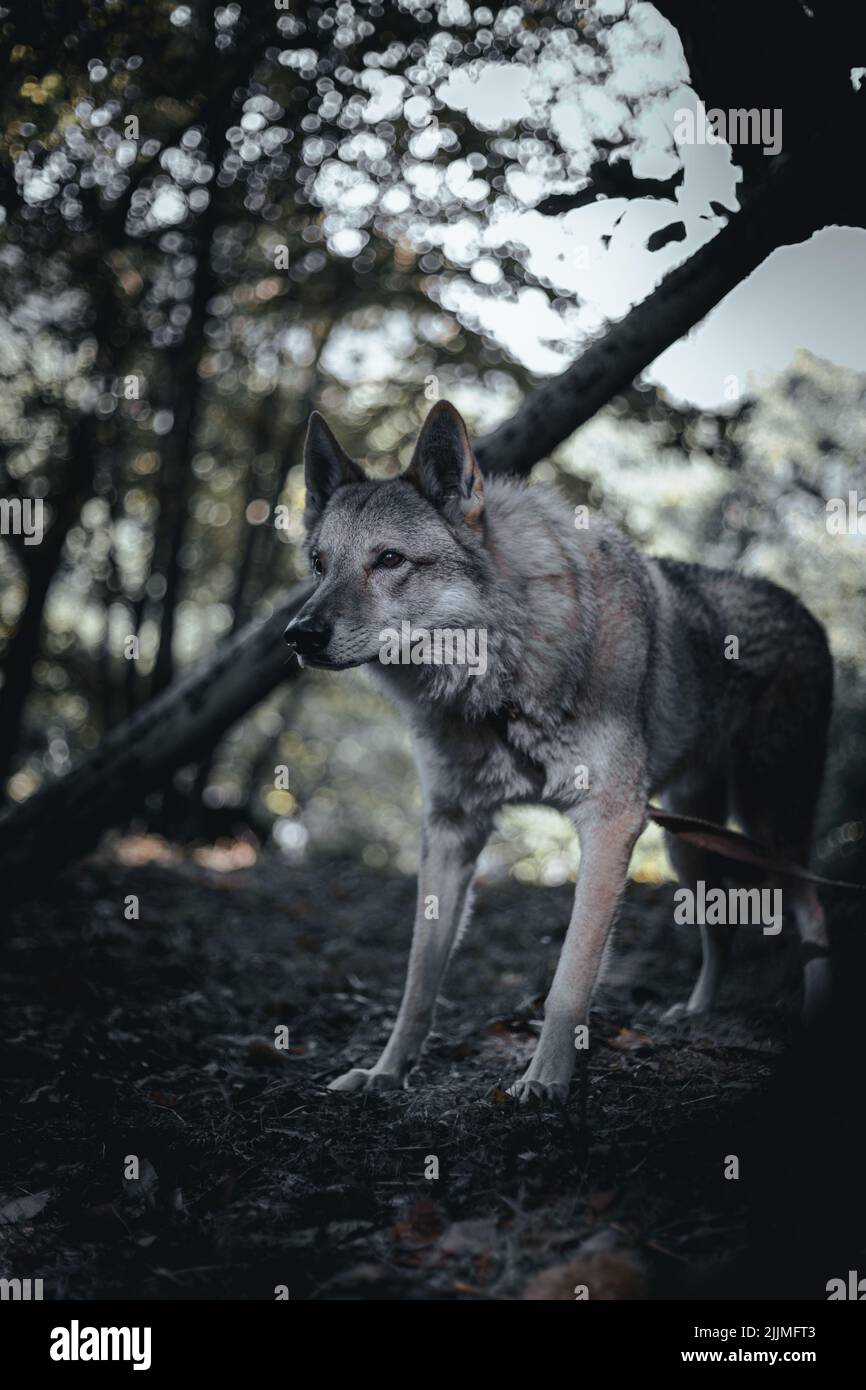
<point x="598" y="656"/>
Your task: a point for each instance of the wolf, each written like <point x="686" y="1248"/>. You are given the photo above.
<point x="610" y="677"/>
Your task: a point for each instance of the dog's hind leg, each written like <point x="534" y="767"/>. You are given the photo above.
<point x="776" y="780"/>
<point x="703" y="795"/>
<point x="450" y="847"/>
<point x="776" y="805"/>
<point x="811" y="925"/>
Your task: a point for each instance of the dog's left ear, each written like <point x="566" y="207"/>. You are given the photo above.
<point x="443" y="467"/>
<point x="327" y="467"/>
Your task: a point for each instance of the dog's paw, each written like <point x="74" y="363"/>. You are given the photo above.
<point x="693" y="1009"/>
<point x="528" y="1091"/>
<point x="675" y="1013"/>
<point x="364" y="1079"/>
<point x="817" y="990"/>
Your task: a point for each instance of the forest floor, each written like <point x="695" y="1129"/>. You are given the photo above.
<point x="155" y="1039"/>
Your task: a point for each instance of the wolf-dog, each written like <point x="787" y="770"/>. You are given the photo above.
<point x="609" y="677"/>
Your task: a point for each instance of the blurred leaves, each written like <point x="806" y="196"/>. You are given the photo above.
<point x="217" y="218"/>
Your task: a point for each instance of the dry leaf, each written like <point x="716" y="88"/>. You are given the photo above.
<point x="23" y="1208"/>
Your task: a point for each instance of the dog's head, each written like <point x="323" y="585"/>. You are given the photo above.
<point x="410" y="549"/>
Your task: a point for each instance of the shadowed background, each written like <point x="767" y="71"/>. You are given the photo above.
<point x="215" y="219"/>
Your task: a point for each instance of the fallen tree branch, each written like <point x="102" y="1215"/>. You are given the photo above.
<point x="65" y="818"/>
<point x="786" y="210"/>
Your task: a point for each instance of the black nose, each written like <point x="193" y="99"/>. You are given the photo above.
<point x="308" y="635"/>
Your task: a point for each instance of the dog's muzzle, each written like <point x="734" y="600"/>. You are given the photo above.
<point x="308" y="635"/>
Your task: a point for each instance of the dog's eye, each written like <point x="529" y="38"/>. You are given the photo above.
<point x="316" y="562"/>
<point x="390" y="559"/>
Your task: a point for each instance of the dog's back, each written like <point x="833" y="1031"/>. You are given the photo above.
<point x="711" y="665"/>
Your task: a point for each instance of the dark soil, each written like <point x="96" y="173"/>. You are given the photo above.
<point x="156" y="1039"/>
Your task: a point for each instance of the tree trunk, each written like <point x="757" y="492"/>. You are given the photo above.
<point x="65" y="818"/>
<point x="182" y="371"/>
<point x="23" y="650"/>
<point x="42" y="564"/>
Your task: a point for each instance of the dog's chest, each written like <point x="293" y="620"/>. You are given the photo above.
<point x="503" y="758"/>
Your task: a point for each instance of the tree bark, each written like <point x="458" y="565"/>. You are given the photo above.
<point x="66" y="817"/>
<point x="41" y="566"/>
<point x="24" y="648"/>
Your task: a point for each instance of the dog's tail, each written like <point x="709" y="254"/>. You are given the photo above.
<point x="730" y="844"/>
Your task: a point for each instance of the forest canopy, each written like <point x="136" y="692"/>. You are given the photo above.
<point x="216" y="218"/>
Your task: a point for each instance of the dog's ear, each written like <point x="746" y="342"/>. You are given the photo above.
<point x="443" y="467"/>
<point x="327" y="467"/>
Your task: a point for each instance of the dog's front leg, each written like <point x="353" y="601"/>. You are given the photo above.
<point x="450" y="847"/>
<point x="606" y="843"/>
